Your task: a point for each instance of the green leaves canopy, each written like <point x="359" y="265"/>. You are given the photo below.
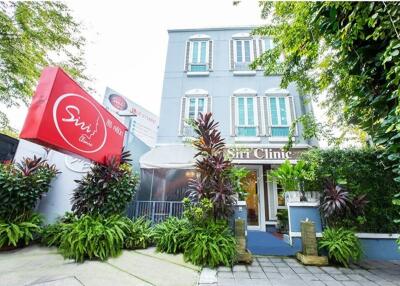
<point x="349" y="51"/>
<point x="34" y="35"/>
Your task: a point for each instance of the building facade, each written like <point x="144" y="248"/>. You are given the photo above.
<point x="207" y="70"/>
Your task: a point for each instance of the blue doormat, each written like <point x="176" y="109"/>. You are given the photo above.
<point x="265" y="243"/>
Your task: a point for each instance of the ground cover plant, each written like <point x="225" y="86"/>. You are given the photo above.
<point x="20" y="231"/>
<point x="138" y="233"/>
<point x="342" y="245"/>
<point x="357" y="188"/>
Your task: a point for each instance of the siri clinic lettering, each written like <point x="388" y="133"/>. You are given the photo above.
<point x="262" y="154"/>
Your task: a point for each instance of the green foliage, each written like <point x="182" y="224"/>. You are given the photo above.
<point x="171" y="234"/>
<point x="22" y="185"/>
<point x="360" y="171"/>
<point x="237" y="175"/>
<point x="34" y="35"/>
<point x="20" y="231"/>
<point x="289" y="175"/>
<point x="210" y="244"/>
<point x="93" y="238"/>
<point x="342" y="245"/>
<point x="105" y="190"/>
<point x="139" y="233"/>
<point x="52" y="234"/>
<point x="283" y="220"/>
<point x="349" y="51"/>
<point x="198" y="214"/>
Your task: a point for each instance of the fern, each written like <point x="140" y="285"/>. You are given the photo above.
<point x="342" y="245"/>
<point x="139" y="234"/>
<point x="22" y="230"/>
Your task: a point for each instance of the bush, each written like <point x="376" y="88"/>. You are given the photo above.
<point x="360" y="172"/>
<point x="21" y="231"/>
<point x="211" y="244"/>
<point x="52" y="234"/>
<point x="93" y="238"/>
<point x="106" y="189"/>
<point x="22" y="185"/>
<point x="139" y="234"/>
<point x="342" y="245"/>
<point x="171" y="234"/>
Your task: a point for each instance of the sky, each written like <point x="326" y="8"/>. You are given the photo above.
<point x="127" y="41"/>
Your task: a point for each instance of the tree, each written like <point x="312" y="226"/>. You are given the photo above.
<point x="348" y="50"/>
<point x="34" y="35"/>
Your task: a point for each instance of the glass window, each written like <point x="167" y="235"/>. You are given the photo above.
<point x="246" y="125"/>
<point x="199" y="56"/>
<point x="243" y="51"/>
<point x="196" y="106"/>
<point x="280" y="120"/>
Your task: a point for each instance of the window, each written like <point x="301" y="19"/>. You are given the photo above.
<point x="194" y="102"/>
<point x="246" y="124"/>
<point x="198" y="60"/>
<point x="280" y="117"/>
<point x="242" y="54"/>
<point x="195" y="107"/>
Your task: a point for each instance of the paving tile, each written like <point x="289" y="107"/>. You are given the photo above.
<point x="273" y="276"/>
<point x="385" y="283"/>
<point x="288" y="282"/>
<point x="308" y="277"/>
<point x="324" y="277"/>
<point x="257" y="275"/>
<point x="263" y="259"/>
<point x="285" y="270"/>
<point x="333" y="283"/>
<point x="300" y="270"/>
<point x="208" y="275"/>
<point x="340" y="277"/>
<point x="254" y="268"/>
<point x="331" y="270"/>
<point x="226" y="282"/>
<point x="276" y="259"/>
<point x="239" y="268"/>
<point x="314" y="269"/>
<point x="225" y="275"/>
<point x="266" y="263"/>
<point x="241" y="275"/>
<point x="224" y="269"/>
<point x="291" y="276"/>
<point x="356" y="277"/>
<point x="270" y="269"/>
<point x="350" y="283"/>
<point x="315" y="283"/>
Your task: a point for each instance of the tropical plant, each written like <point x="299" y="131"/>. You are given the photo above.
<point x="237" y="175"/>
<point x="106" y="189"/>
<point x="342" y="245"/>
<point x="336" y="201"/>
<point x="289" y="175"/>
<point x="170" y="235"/>
<point x="139" y="233"/>
<point x="22" y="185"/>
<point x="210" y="244"/>
<point x="93" y="238"/>
<point x="22" y="230"/>
<point x="52" y="234"/>
<point x="197" y="214"/>
<point x="283" y="220"/>
<point x="212" y="183"/>
<point x="34" y="35"/>
<point x="364" y="173"/>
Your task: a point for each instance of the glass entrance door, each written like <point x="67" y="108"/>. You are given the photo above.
<point x="253" y="185"/>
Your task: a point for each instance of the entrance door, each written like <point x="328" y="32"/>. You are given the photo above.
<point x="276" y="198"/>
<point x="254" y="186"/>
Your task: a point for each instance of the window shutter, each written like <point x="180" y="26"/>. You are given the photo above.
<point x="266" y="112"/>
<point x="259" y="118"/>
<point x="209" y="104"/>
<point x="231" y="56"/>
<point x="210" y="55"/>
<point x="187" y="54"/>
<point x="182" y="116"/>
<point x="254" y="49"/>
<point x="233" y="116"/>
<point x="292" y="113"/>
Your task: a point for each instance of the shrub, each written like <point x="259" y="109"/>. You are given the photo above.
<point x="211" y="244"/>
<point x="93" y="238"/>
<point x="20" y="231"/>
<point x="213" y="182"/>
<point x="342" y="245"/>
<point x="289" y="175"/>
<point x="22" y="185"/>
<point x="106" y="189"/>
<point x="171" y="234"/>
<point x="360" y="172"/>
<point x="237" y="175"/>
<point x="139" y="233"/>
<point x="52" y="234"/>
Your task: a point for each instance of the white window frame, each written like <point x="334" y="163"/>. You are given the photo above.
<point x="243" y="50"/>
<point x="271" y="44"/>
<point x="255" y="115"/>
<point x="187" y="107"/>
<point x="289" y="118"/>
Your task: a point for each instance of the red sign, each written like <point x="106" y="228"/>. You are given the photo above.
<point x="118" y="102"/>
<point x="66" y="118"/>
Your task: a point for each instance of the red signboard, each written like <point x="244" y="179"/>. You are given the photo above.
<point x="66" y="118"/>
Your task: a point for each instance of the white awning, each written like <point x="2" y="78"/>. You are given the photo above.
<point x="169" y="157"/>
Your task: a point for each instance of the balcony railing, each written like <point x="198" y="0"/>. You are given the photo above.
<point x="198" y="67"/>
<point x="156" y="211"/>
<point x="242" y="66"/>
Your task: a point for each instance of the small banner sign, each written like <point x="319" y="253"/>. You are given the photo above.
<point x="64" y="117"/>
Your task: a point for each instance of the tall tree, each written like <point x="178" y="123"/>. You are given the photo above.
<point x="347" y="50"/>
<point x="34" y="35"/>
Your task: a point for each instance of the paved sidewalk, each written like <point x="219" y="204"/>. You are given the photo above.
<point x="288" y="272"/>
<point x="45" y="267"/>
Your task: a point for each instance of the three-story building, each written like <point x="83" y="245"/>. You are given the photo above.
<point x="207" y="70"/>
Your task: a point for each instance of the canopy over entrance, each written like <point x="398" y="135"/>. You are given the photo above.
<point x="169" y="156"/>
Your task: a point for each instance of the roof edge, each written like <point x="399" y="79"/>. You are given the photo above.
<point x="225" y="28"/>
